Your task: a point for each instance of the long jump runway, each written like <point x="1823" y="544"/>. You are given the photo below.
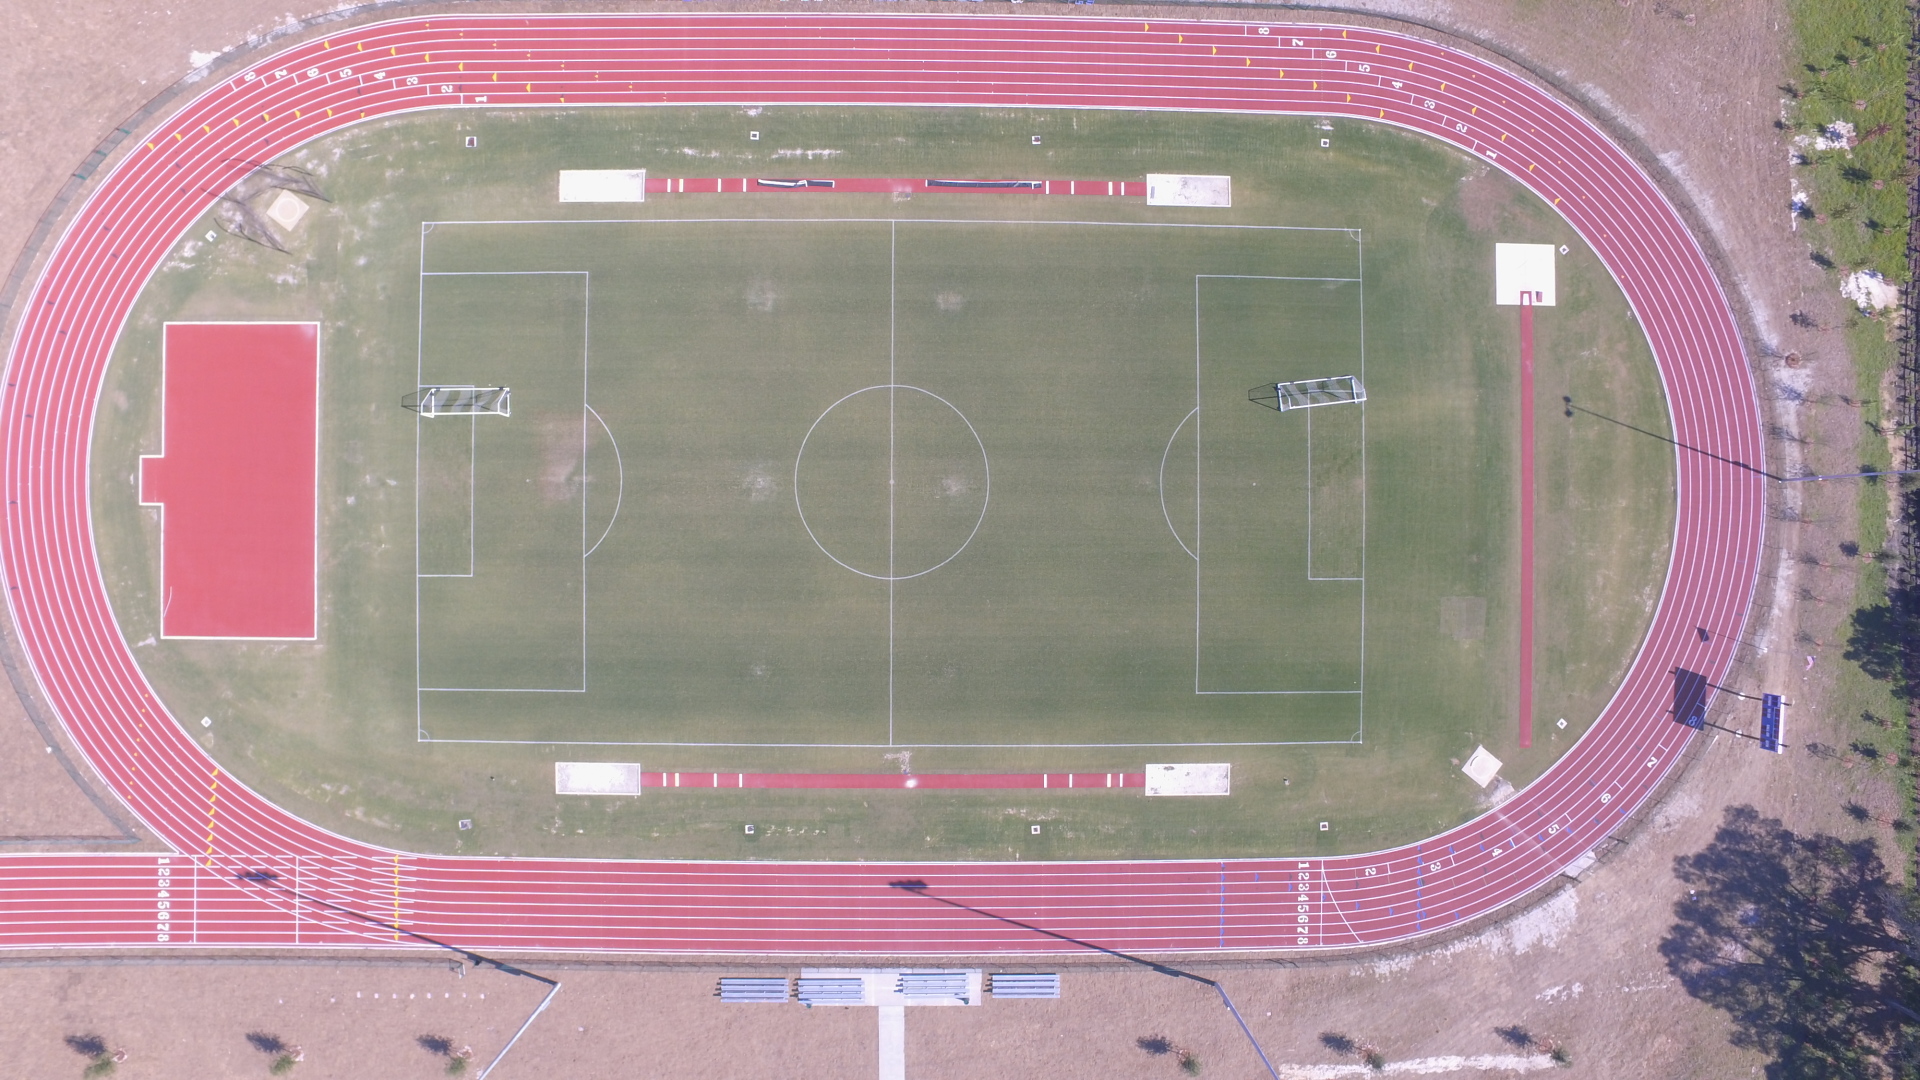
<point x="246" y="873"/>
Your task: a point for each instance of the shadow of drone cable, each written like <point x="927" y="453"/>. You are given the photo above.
<point x="270" y="881"/>
<point x="920" y="888"/>
<point x="1571" y="408"/>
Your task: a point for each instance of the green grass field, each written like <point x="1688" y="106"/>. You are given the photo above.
<point x="804" y="482"/>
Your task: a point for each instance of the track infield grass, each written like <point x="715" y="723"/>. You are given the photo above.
<point x="971" y="478"/>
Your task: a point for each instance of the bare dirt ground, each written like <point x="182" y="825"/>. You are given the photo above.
<point x="1689" y="85"/>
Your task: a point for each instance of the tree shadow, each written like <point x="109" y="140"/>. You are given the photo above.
<point x="1804" y="942"/>
<point x="1516" y="1036"/>
<point x="91" y="1046"/>
<point x="1157" y="1045"/>
<point x="265" y="1043"/>
<point x="1338" y="1043"/>
<point x="1877" y="642"/>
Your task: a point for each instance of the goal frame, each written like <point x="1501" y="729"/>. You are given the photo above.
<point x="433" y="401"/>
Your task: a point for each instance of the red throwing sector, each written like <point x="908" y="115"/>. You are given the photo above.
<point x="236" y="480"/>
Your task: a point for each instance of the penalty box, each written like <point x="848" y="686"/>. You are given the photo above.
<point x="501" y="507"/>
<point x="1269" y="511"/>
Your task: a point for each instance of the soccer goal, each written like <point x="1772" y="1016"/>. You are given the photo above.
<point x="1308" y="393"/>
<point x="460" y="401"/>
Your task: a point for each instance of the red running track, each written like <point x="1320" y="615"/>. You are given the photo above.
<point x="896" y="781"/>
<point x="313" y="887"/>
<point x="1526" y="525"/>
<point x="714" y="185"/>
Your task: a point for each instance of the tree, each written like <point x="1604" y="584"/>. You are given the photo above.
<point x="1806" y="944"/>
<point x="1879" y="639"/>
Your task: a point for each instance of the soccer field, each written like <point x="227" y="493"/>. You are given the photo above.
<point x="809" y="481"/>
<point x="872" y="489"/>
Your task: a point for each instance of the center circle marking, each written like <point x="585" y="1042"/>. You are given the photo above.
<point x="907" y="426"/>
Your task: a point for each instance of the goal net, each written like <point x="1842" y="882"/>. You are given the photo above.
<point x="460" y="401"/>
<point x="1308" y="393"/>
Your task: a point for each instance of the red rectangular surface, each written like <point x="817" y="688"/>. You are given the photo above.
<point x="236" y="480"/>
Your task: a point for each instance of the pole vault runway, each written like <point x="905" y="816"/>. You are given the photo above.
<point x="246" y="873"/>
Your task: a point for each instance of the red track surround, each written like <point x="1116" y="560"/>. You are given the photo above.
<point x="330" y="890"/>
<point x="1526" y="525"/>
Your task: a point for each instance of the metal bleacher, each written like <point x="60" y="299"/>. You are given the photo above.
<point x="830" y="991"/>
<point x="749" y="990"/>
<point x="922" y="985"/>
<point x="1018" y="985"/>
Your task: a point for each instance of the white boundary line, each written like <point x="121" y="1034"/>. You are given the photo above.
<point x="1311" y="576"/>
<point x="473" y="464"/>
<point x="1164" y="512"/>
<point x="429" y="225"/>
<point x="1198" y="456"/>
<point x="620" y="469"/>
<point x="586" y="352"/>
<point x="985" y="464"/>
<point x="892" y="387"/>
<point x="140" y="478"/>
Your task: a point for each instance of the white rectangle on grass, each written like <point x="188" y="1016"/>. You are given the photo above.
<point x="1175" y="189"/>
<point x="1482" y="767"/>
<point x="596" y="778"/>
<point x="603" y="185"/>
<point x="1523" y="274"/>
<point x="1190" y="779"/>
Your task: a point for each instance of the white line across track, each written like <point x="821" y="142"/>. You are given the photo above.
<point x="238" y="855"/>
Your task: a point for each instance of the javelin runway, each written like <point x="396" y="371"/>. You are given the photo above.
<point x="248" y="873"/>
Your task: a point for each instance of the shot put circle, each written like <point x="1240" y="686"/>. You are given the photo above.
<point x="891" y="482"/>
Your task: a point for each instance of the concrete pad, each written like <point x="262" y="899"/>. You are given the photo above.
<point x="1174" y="189"/>
<point x="1523" y="274"/>
<point x="603" y="185"/>
<point x="1482" y="767"/>
<point x="893" y="1042"/>
<point x="1190" y="779"/>
<point x="596" y="778"/>
<point x="287" y="210"/>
